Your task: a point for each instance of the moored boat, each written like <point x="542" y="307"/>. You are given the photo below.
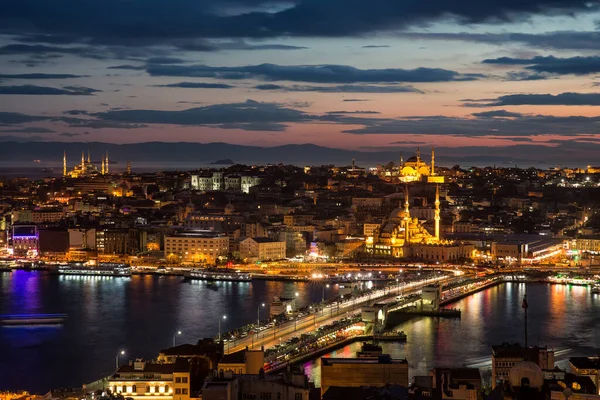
<point x="32" y="319"/>
<point x="369" y="350"/>
<point x="117" y="271"/>
<point x="218" y="275"/>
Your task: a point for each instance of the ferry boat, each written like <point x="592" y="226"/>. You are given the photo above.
<point x="369" y="350"/>
<point x="32" y="319"/>
<point x="596" y="288"/>
<point x="119" y="271"/>
<point x="218" y="275"/>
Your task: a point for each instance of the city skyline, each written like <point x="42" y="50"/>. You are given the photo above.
<point x="389" y="75"/>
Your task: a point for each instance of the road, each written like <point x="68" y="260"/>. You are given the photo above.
<point x="275" y="335"/>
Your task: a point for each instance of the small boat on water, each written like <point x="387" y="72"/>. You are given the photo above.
<point x="369" y="350"/>
<point x="108" y="271"/>
<point x="391" y="336"/>
<point x="218" y="275"/>
<point x="32" y="319"/>
<point x="596" y="289"/>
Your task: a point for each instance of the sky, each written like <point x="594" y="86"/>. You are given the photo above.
<point x="515" y="76"/>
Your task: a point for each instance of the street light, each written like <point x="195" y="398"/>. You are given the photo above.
<point x="224" y="317"/>
<point x="258" y="318"/>
<point x="120" y="353"/>
<point x="323" y="295"/>
<point x="175" y="336"/>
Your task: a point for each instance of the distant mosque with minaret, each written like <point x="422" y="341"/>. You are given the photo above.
<point x="416" y="170"/>
<point x="86" y="168"/>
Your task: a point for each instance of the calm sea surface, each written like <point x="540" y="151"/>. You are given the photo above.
<point x="140" y="314"/>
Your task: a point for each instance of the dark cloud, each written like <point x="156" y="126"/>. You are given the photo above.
<point x="553" y="65"/>
<point x="562" y="99"/>
<point x="76" y="112"/>
<point x="44" y="90"/>
<point x="209" y="46"/>
<point x="353" y="112"/>
<point x="340" y="88"/>
<point x="40" y="76"/>
<point x="28" y="129"/>
<point x="129" y="67"/>
<point x="353" y="100"/>
<point x="69" y="134"/>
<point x="558" y="40"/>
<point x="497" y="113"/>
<point x="249" y="112"/>
<point x="165" y="60"/>
<point x="197" y="85"/>
<point x="376" y="46"/>
<point x="255" y="126"/>
<point x="526" y="125"/>
<point x="12" y="118"/>
<point x="43" y="51"/>
<point x="312" y="73"/>
<point x="111" y="21"/>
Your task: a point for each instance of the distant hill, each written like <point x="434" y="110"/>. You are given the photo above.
<point x="299" y="154"/>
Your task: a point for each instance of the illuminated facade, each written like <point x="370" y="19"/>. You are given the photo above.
<point x="200" y="246"/>
<point x="399" y="231"/>
<point x="416" y="170"/>
<point x="146" y="380"/>
<point x="85" y="168"/>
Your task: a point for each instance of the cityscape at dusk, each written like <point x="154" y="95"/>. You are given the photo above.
<point x="299" y="200"/>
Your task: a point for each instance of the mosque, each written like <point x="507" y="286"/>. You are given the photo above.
<point x="85" y="168"/>
<point x="416" y="170"/>
<point x="401" y="236"/>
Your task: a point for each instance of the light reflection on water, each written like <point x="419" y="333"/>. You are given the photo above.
<point x="562" y="317"/>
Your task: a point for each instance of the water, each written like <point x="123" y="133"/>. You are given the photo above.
<point x="141" y="314"/>
<point x="565" y="318"/>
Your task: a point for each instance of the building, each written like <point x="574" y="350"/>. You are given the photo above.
<point x="261" y="249"/>
<point x="506" y="356"/>
<point x="197" y="246"/>
<point x="587" y="366"/>
<point x="400" y="231"/>
<point x="25" y="241"/>
<point x="228" y="386"/>
<point x="149" y="380"/>
<point x="85" y="168"/>
<point x="47" y="215"/>
<point x="416" y="170"/>
<point x="586" y="244"/>
<point x="456" y="383"/>
<point x="201" y="182"/>
<point x="357" y="372"/>
<point x="249" y="361"/>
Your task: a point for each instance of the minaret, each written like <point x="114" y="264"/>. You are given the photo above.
<point x="106" y="161"/>
<point x="65" y="163"/>
<point x="406" y="216"/>
<point x="418" y="155"/>
<point x="432" y="161"/>
<point x="353" y="164"/>
<point x="89" y="158"/>
<point x="82" y="159"/>
<point x="129" y="171"/>
<point x="103" y="169"/>
<point x="437" y="212"/>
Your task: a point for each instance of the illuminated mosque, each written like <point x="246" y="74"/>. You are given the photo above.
<point x="85" y="168"/>
<point x="401" y="236"/>
<point x="415" y="169"/>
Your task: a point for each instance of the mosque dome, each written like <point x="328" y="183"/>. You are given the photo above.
<point x="398" y="213"/>
<point x="526" y="373"/>
<point x="413" y="159"/>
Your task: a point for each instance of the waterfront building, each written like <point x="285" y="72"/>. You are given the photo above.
<point x="456" y="383"/>
<point x="506" y="356"/>
<point x="261" y="249"/>
<point x="197" y="246"/>
<point x="357" y="372"/>
<point x="150" y="380"/>
<point x="587" y="366"/>
<point x="25" y="241"/>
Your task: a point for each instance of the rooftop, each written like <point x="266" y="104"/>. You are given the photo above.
<point x="585" y="362"/>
